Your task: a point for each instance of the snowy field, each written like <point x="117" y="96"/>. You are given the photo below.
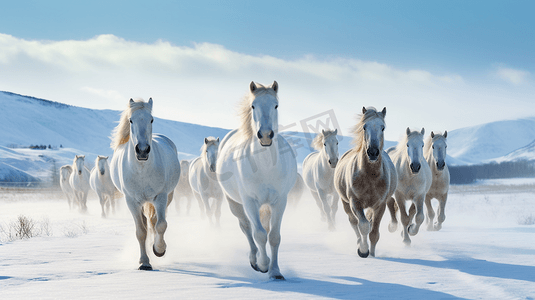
<point x="486" y="250"/>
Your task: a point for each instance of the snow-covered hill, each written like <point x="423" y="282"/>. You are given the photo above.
<point x="526" y="153"/>
<point x="31" y="121"/>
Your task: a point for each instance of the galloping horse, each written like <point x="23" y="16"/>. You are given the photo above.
<point x="102" y="184"/>
<point x="256" y="169"/>
<point x="414" y="180"/>
<point x="318" y="174"/>
<point x="435" y="155"/>
<point x="64" y="178"/>
<point x="80" y="181"/>
<point x="203" y="179"/>
<point x="365" y="177"/>
<point x="145" y="169"/>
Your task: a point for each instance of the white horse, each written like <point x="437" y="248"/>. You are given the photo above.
<point x="318" y="174"/>
<point x="183" y="188"/>
<point x="80" y="181"/>
<point x="435" y="155"/>
<point x="295" y="194"/>
<point x="145" y="168"/>
<point x="256" y="169"/>
<point x="414" y="180"/>
<point x="365" y="178"/>
<point x="102" y="184"/>
<point x="64" y="178"/>
<point x="203" y="179"/>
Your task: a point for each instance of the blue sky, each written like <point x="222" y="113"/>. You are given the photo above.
<point x="480" y="46"/>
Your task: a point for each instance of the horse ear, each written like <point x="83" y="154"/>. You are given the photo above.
<point x="432" y="134"/>
<point x="131" y="102"/>
<point x="150" y="102"/>
<point x="106" y="157"/>
<point x="252" y="87"/>
<point x="363" y="110"/>
<point x="336" y="131"/>
<point x="423" y="131"/>
<point x="275" y="86"/>
<point x="323" y="131"/>
<point x="384" y="112"/>
<point x="446" y="134"/>
<point x="205" y="140"/>
<point x="217" y="139"/>
<point x="408" y="131"/>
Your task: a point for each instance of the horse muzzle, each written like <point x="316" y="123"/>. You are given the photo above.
<point x="441" y="165"/>
<point x="80" y="172"/>
<point x="333" y="162"/>
<point x="212" y="168"/>
<point x="102" y="173"/>
<point x="415" y="167"/>
<point x="266" y="137"/>
<point x="142" y="154"/>
<point x="373" y="153"/>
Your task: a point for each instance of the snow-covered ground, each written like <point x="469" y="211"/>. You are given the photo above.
<point x="484" y="251"/>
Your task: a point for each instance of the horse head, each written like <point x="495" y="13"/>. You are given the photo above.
<point x="141" y="130"/>
<point x="374" y="134"/>
<point x="102" y="162"/>
<point x="79" y="162"/>
<point x="330" y="145"/>
<point x="439" y="149"/>
<point x="415" y="145"/>
<point x="211" y="147"/>
<point x="264" y="112"/>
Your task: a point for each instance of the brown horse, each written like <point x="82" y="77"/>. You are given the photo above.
<point x="365" y="178"/>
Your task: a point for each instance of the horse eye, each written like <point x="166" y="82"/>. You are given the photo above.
<point x="151" y="121"/>
<point x="130" y="121"/>
<point x="276" y="106"/>
<point x="325" y="145"/>
<point x="252" y="106"/>
<point x="383" y="128"/>
<point x="407" y="145"/>
<point x="433" y="146"/>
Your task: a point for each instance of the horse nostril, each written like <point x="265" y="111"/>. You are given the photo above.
<point x="148" y="149"/>
<point x="271" y="134"/>
<point x="259" y="135"/>
<point x="330" y="162"/>
<point x="137" y="149"/>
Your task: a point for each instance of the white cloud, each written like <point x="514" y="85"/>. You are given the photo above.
<point x="513" y="76"/>
<point x="202" y="83"/>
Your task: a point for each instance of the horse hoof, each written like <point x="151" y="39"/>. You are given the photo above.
<point x="256" y="268"/>
<point x="156" y="252"/>
<point x="392" y="227"/>
<point x="278" y="278"/>
<point x="438" y="227"/>
<point x="145" y="268"/>
<point x="413" y="230"/>
<point x="363" y="255"/>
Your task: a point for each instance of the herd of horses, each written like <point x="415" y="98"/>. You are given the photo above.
<point x="253" y="170"/>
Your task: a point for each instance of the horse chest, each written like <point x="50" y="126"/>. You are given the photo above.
<point x="369" y="189"/>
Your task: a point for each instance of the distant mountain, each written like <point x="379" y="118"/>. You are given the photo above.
<point x="71" y="130"/>
<point x="485" y="142"/>
<point x="526" y="153"/>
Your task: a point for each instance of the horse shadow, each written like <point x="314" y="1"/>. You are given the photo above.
<point x="477" y="267"/>
<point x="342" y="287"/>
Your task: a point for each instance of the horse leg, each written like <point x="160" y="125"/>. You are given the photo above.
<point x="160" y="206"/>
<point x="188" y="201"/>
<point x="320" y="205"/>
<point x="392" y="208"/>
<point x="245" y="226"/>
<point x="352" y="220"/>
<point x="326" y="207"/>
<point x="217" y="202"/>
<point x="102" y="200"/>
<point x="275" y="238"/>
<point x="84" y="202"/>
<point x="363" y="228"/>
<point x="376" y="222"/>
<point x="441" y="211"/>
<point x="334" y="207"/>
<point x="430" y="213"/>
<point x="419" y="215"/>
<point x="201" y="203"/>
<point x="141" y="232"/>
<point x="404" y="220"/>
<point x="252" y="210"/>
